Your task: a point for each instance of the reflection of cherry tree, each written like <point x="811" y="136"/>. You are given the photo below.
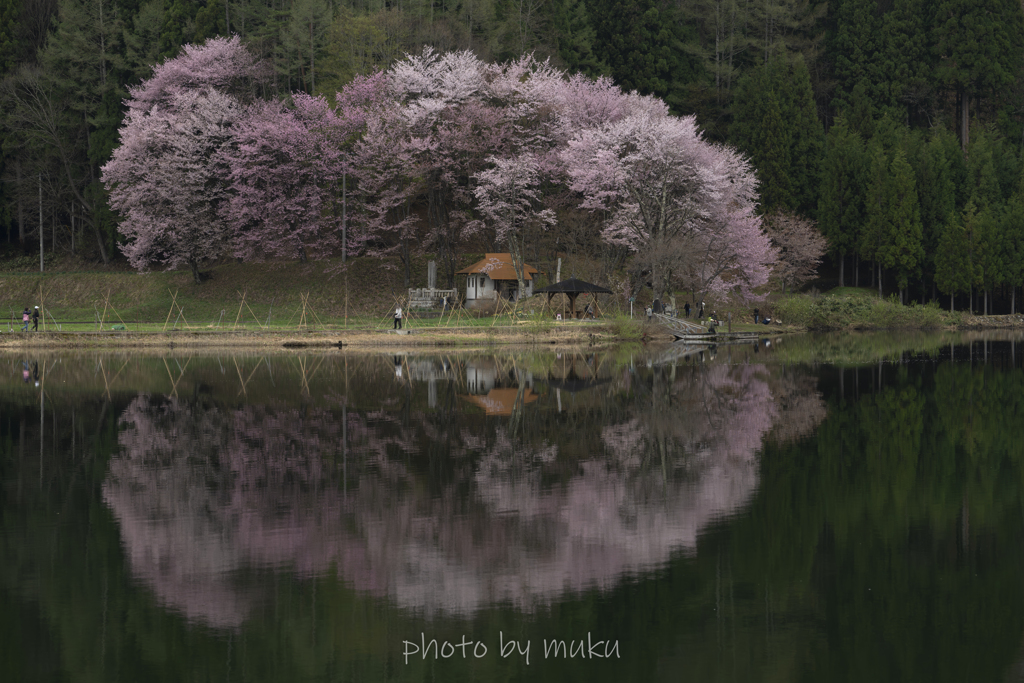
<point x="801" y="407"/>
<point x="195" y="484"/>
<point x="202" y="492"/>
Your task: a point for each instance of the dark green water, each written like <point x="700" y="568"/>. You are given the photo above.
<point x="832" y="509"/>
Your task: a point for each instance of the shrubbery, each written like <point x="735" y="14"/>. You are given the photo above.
<point x="857" y="312"/>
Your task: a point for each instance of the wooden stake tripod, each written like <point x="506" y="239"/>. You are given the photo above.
<point x="106" y="305"/>
<point x="174" y="304"/>
<point x="239" y="316"/>
<point x="306" y="307"/>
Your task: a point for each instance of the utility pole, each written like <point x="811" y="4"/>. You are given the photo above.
<point x="40" y="222"/>
<point x="344" y="216"/>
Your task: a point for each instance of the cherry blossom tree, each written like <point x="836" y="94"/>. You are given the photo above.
<point x="800" y="248"/>
<point x="731" y="254"/>
<point x="166" y="180"/>
<point x="221" y="64"/>
<point x="451" y="129"/>
<point x="461" y="114"/>
<point x="474" y="146"/>
<point x="286" y="171"/>
<point x="683" y="205"/>
<point x="509" y="195"/>
<point x="388" y="173"/>
<point x="169" y="176"/>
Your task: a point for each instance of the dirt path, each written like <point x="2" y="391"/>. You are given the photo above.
<point x="587" y="334"/>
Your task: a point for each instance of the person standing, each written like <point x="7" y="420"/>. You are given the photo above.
<point x="35" y="320"/>
<point x="701" y="315"/>
<point x="757" y="316"/>
<point x="686" y="309"/>
<point x="398" y="318"/>
<point x="25" y="317"/>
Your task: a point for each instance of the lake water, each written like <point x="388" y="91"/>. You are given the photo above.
<point x="801" y="509"/>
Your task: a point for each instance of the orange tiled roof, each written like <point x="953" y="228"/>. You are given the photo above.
<point x="501" y="401"/>
<point x="498" y="267"/>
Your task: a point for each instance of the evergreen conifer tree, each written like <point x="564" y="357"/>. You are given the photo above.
<point x="953" y="266"/>
<point x="877" y="208"/>
<point x="840" y="202"/>
<point x="901" y="248"/>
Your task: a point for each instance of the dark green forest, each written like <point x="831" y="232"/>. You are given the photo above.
<point x="896" y="125"/>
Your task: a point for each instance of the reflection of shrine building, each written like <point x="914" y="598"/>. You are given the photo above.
<point x="502" y="401"/>
<point x="497" y="388"/>
<point x="429" y="369"/>
<point x="574" y="373"/>
<point x="485" y="374"/>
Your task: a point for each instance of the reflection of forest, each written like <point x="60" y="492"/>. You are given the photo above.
<point x="202" y="491"/>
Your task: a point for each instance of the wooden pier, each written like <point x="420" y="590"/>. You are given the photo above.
<point x="699" y="334"/>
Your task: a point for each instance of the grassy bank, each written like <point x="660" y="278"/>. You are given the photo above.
<point x="280" y="293"/>
<point x="286" y="297"/>
<point x="272" y="296"/>
<point x="860" y="309"/>
<point x="267" y="305"/>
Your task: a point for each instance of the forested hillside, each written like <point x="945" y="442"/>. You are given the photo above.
<point x="896" y="125"/>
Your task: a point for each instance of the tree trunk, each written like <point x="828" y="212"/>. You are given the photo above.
<point x="654" y="282"/>
<point x="879" y="279"/>
<point x="21" y="206"/>
<point x="99" y="242"/>
<point x="842" y="264"/>
<point x="965" y="101"/>
<point x="951" y="298"/>
<point x="516" y="251"/>
<point x="406" y="256"/>
<point x="195" y="272"/>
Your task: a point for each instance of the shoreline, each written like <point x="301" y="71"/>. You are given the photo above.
<point x="363" y="339"/>
<point x="562" y="335"/>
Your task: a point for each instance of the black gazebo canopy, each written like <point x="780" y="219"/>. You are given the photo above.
<point x="572" y="288"/>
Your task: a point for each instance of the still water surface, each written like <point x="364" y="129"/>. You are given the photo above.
<point x="820" y="509"/>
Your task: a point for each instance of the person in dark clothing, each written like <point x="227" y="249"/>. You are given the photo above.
<point x="686" y="308"/>
<point x="757" y="316"/>
<point x="35" y="320"/>
<point x="701" y="316"/>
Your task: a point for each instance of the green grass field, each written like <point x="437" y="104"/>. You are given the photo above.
<point x="362" y="294"/>
<point x="282" y="296"/>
